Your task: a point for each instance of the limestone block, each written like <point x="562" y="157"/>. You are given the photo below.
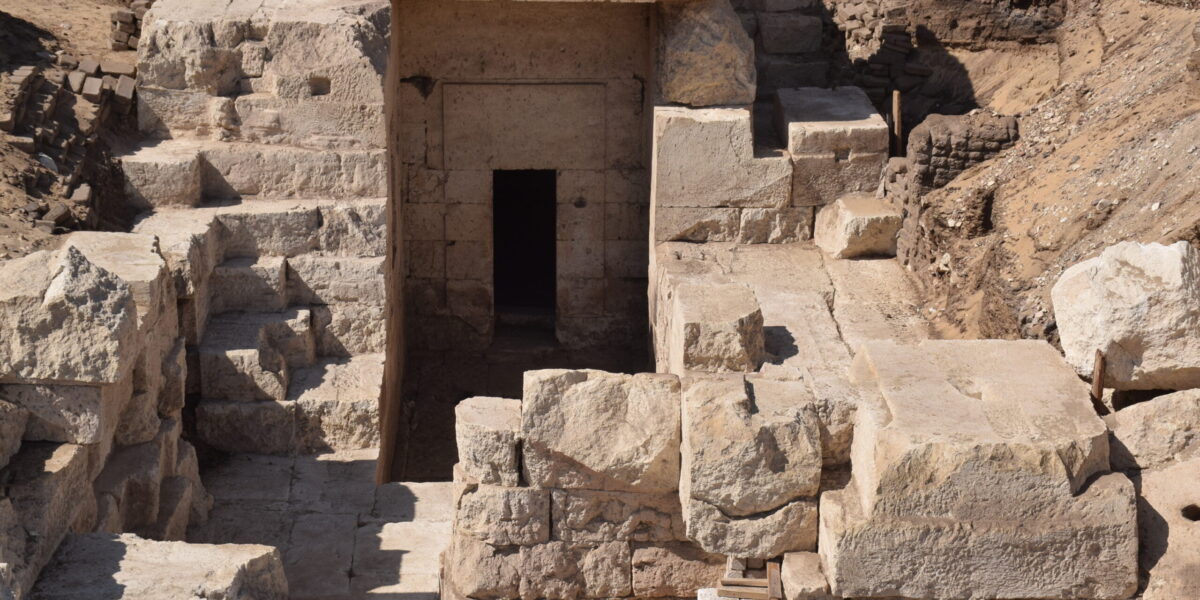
<point x="1133" y="302"/>
<point x="12" y="429"/>
<point x="748" y="449"/>
<point x="696" y="224"/>
<point x="188" y="466"/>
<point x="802" y="577"/>
<point x="1156" y="433"/>
<point x="254" y="427"/>
<point x="133" y="477"/>
<point x="160" y="175"/>
<point x="269" y="229"/>
<point x="332" y="279"/>
<point x="351" y="422"/>
<point x="503" y="516"/>
<point x="705" y="158"/>
<point x="820" y="120"/>
<point x="136" y="260"/>
<point x="487" y="430"/>
<point x="131" y="567"/>
<point x="354" y="227"/>
<point x="557" y="570"/>
<point x="561" y="411"/>
<point x="139" y="421"/>
<point x="174" y="510"/>
<point x="715" y="328"/>
<point x="775" y="226"/>
<point x="237" y="170"/>
<point x="172" y="395"/>
<point x="821" y="178"/>
<point x="1086" y="544"/>
<point x="81" y="414"/>
<point x="250" y="284"/>
<point x="476" y="569"/>
<point x="1168" y="512"/>
<point x="243" y="374"/>
<point x="673" y="570"/>
<point x="66" y="320"/>
<point x="349" y="329"/>
<point x="790" y="528"/>
<point x="599" y="516"/>
<point x="307" y="124"/>
<point x="705" y="57"/>
<point x="857" y="225"/>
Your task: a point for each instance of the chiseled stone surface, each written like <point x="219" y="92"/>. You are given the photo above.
<point x="562" y="411"/>
<point x="486" y="430"/>
<point x="673" y="570"/>
<point x="857" y="225"/>
<point x="1169" y="530"/>
<point x="101" y="566"/>
<point x="1136" y="303"/>
<point x="802" y="577"/>
<point x="599" y="516"/>
<point x="1155" y="433"/>
<point x="562" y="570"/>
<point x="821" y="120"/>
<point x="790" y="528"/>
<point x="705" y="57"/>
<point x="715" y="328"/>
<point x="504" y="516"/>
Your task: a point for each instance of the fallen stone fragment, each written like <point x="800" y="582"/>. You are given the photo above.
<point x="1136" y="303"/>
<point x="715" y="329"/>
<point x="803" y="578"/>
<point x="857" y="225"/>
<point x="1156" y="433"/>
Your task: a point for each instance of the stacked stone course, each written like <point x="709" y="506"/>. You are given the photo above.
<point x="127" y="25"/>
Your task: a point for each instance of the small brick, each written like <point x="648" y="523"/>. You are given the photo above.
<point x="89" y="66"/>
<point x="125" y="88"/>
<point x="116" y="67"/>
<point x="92" y="88"/>
<point x="75" y="81"/>
<point x="123" y="16"/>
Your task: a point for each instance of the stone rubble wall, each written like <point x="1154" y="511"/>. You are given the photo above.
<point x="127" y="25"/>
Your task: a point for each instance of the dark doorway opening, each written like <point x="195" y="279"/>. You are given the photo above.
<point x="523" y="231"/>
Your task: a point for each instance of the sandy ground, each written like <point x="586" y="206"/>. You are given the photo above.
<point x="81" y="26"/>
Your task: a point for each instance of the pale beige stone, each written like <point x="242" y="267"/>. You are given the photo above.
<point x="715" y="328"/>
<point x="817" y="120"/>
<point x="821" y="178"/>
<point x="705" y="57"/>
<point x="163" y="175"/>
<point x="601" y="516"/>
<point x="775" y="226"/>
<point x="857" y="225"/>
<point x="479" y="570"/>
<point x="82" y="414"/>
<point x="673" y="570"/>
<point x="250" y="284"/>
<point x="354" y="227"/>
<point x="276" y="228"/>
<point x="802" y="577"/>
<point x="349" y="329"/>
<point x="561" y="570"/>
<point x="504" y="516"/>
<point x="486" y="430"/>
<point x="1156" y="433"/>
<point x="264" y="427"/>
<point x="337" y="403"/>
<point x="127" y="566"/>
<point x="789" y="528"/>
<point x="561" y="411"/>
<point x="1134" y="303"/>
<point x="1168" y="523"/>
<point x="335" y="279"/>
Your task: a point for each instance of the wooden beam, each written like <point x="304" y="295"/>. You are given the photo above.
<point x="897" y="124"/>
<point x="744" y="582"/>
<point x="746" y="593"/>
<point x="1098" y="372"/>
<point x="774" y="581"/>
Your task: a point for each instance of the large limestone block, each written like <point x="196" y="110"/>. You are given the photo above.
<point x="715" y="328"/>
<point x="705" y="57"/>
<point x="821" y="178"/>
<point x="12" y="429"/>
<point x="1169" y="531"/>
<point x="159" y="175"/>
<point x="238" y="170"/>
<point x="1156" y="433"/>
<point x="476" y="569"/>
<point x="704" y="158"/>
<point x="80" y="414"/>
<point x="818" y="120"/>
<point x="250" y="284"/>
<point x="857" y="225"/>
<point x="337" y="403"/>
<point x="602" y="516"/>
<point x="487" y="430"/>
<point x="277" y="228"/>
<point x="1086" y="544"/>
<point x="790" y="528"/>
<point x="109" y="566"/>
<point x="1137" y="303"/>
<point x="65" y="319"/>
<point x="264" y="427"/>
<point x="333" y="279"/>
<point x="349" y="329"/>
<point x="562" y="410"/>
<point x="354" y="227"/>
<point x="747" y="448"/>
<point x="136" y="260"/>
<point x="802" y="577"/>
<point x="673" y="570"/>
<point x="504" y="516"/>
<point x="133" y="477"/>
<point x="560" y="571"/>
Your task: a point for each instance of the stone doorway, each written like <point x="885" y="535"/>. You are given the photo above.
<point x="523" y="230"/>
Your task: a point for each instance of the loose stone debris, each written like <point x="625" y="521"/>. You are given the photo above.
<point x="376" y="239"/>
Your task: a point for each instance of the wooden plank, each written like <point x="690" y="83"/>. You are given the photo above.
<point x="774" y="581"/>
<point x="746" y="593"/>
<point x="744" y="582"/>
<point x="897" y="124"/>
<point x="1098" y="384"/>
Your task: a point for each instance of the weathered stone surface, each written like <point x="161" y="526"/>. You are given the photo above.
<point x="65" y="320"/>
<point x="81" y="414"/>
<point x="337" y="403"/>
<point x="1156" y="433"/>
<point x="715" y="328"/>
<point x="749" y="448"/>
<point x="132" y="478"/>
<point x="1136" y="303"/>
<point x="354" y="228"/>
<point x="705" y="57"/>
<point x="349" y="329"/>
<point x="857" y="225"/>
<point x="101" y="565"/>
<point x="673" y="570"/>
<point x="818" y="120"/>
<point x="802" y="577"/>
<point x="334" y="279"/>
<point x="983" y="463"/>
<point x="600" y="516"/>
<point x="269" y="228"/>
<point x="255" y="427"/>
<point x="136" y="260"/>
<point x="821" y="178"/>
<point x="476" y="569"/>
<point x="504" y="516"/>
<point x="163" y="175"/>
<point x="562" y="410"/>
<point x="775" y="226"/>
<point x="486" y="430"/>
<point x="1169" y="531"/>
<point x="557" y="570"/>
<point x="250" y="284"/>
<point x="12" y="429"/>
<point x="789" y="528"/>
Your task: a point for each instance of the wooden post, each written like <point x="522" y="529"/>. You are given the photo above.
<point x="774" y="581"/>
<point x="897" y="124"/>
<point x="1098" y="384"/>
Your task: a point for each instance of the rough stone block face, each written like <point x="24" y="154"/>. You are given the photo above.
<point x="348" y="329"/>
<point x="561" y="570"/>
<point x="81" y="414"/>
<point x="1168" y="511"/>
<point x="802" y="577"/>
<point x="775" y="226"/>
<point x="487" y="432"/>
<point x="591" y="516"/>
<point x="1132" y="303"/>
<point x="12" y="430"/>
<point x="715" y="328"/>
<point x="978" y="432"/>
<point x="504" y="516"/>
<point x="1155" y="433"/>
<point x="562" y="410"/>
<point x="477" y="569"/>
<point x="354" y="228"/>
<point x="857" y="225"/>
<point x="705" y="57"/>
<point x="335" y="279"/>
<point x="818" y="120"/>
<point x="337" y="403"/>
<point x="673" y="570"/>
<point x="163" y="175"/>
<point x="49" y="489"/>
<point x="267" y="230"/>
<point x="824" y="177"/>
<point x="251" y="427"/>
<point x="250" y="284"/>
<point x="789" y="528"/>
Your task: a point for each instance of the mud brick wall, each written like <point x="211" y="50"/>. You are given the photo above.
<point x="127" y="25"/>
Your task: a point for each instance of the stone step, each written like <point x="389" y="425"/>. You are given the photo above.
<point x="101" y="565"/>
<point x="246" y="356"/>
<point x="332" y="405"/>
<point x="250" y="284"/>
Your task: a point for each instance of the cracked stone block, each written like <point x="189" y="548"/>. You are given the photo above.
<point x="504" y="516"/>
<point x="1155" y="433"/>
<point x="857" y="225"/>
<point x="561" y="570"/>
<point x="594" y="516"/>
<point x="715" y="328"/>
<point x="487" y="430"/>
